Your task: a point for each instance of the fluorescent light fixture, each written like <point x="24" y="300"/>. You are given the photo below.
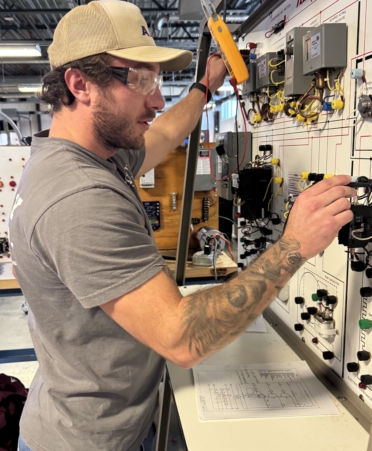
<point x="19" y="50"/>
<point x="29" y="88"/>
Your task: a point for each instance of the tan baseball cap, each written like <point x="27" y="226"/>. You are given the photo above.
<point x="114" y="27"/>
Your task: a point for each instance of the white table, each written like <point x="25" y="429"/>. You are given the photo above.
<point x="323" y="433"/>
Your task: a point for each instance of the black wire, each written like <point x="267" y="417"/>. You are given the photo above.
<point x="237" y="135"/>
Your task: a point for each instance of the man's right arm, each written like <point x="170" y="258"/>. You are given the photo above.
<point x="187" y="330"/>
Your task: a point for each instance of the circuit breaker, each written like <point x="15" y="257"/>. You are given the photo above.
<point x="265" y="75"/>
<point x="230" y="147"/>
<point x="296" y="83"/>
<point x="325" y="47"/>
<point x="250" y="86"/>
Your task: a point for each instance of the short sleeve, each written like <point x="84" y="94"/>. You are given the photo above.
<point x="97" y="244"/>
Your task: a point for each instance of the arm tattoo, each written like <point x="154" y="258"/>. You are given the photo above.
<point x="213" y="318"/>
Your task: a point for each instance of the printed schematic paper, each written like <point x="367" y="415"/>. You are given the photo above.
<point x="260" y="390"/>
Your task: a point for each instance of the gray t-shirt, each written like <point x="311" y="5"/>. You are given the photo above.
<point x="80" y="238"/>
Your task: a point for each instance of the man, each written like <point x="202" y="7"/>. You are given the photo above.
<point x="104" y="311"/>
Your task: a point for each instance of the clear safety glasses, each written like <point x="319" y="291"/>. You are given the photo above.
<point x="141" y="80"/>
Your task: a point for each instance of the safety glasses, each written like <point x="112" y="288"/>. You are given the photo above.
<point x="143" y="81"/>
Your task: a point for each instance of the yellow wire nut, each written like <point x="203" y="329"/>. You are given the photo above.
<point x="293" y="104"/>
<point x="273" y="109"/>
<point x="278" y="180"/>
<point x="280" y="108"/>
<point x="328" y="176"/>
<point x="337" y="104"/>
<point x="300" y="118"/>
<point x="275" y="161"/>
<point x="257" y="118"/>
<point x="305" y="175"/>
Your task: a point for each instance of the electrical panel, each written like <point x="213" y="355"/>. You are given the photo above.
<point x="295" y="83"/>
<point x="321" y="125"/>
<point x="265" y="75"/>
<point x="325" y="47"/>
<point x="250" y="86"/>
<point x="234" y="151"/>
<point x="12" y="162"/>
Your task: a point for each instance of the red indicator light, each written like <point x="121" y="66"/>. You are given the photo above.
<point x="315" y="340"/>
<point x="12" y="183"/>
<point x="361" y="385"/>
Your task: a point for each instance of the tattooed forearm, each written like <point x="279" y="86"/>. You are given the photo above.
<point x="213" y="318"/>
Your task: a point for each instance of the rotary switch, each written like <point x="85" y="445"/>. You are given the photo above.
<point x="366" y="292"/>
<point x="312" y="310"/>
<point x="305" y="316"/>
<point x="352" y="367"/>
<point x="328" y="355"/>
<point x="331" y="300"/>
<point x="299" y="300"/>
<point x="321" y="293"/>
<point x="298" y="327"/>
<point x="363" y="356"/>
<point x="366" y="379"/>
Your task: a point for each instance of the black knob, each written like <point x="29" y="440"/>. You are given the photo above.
<point x="369" y="273"/>
<point x="328" y="355"/>
<point x="321" y="293"/>
<point x="312" y="310"/>
<point x="331" y="300"/>
<point x="357" y="266"/>
<point x="363" y="355"/>
<point x="311" y="177"/>
<point x="299" y="300"/>
<point x="242" y="256"/>
<point x="305" y="316"/>
<point x="366" y="379"/>
<point x="298" y="327"/>
<point x="366" y="292"/>
<point x="352" y="367"/>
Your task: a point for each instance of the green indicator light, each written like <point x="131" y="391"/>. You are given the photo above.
<point x="315" y="297"/>
<point x="365" y="324"/>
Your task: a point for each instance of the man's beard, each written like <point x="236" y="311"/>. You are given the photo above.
<point x="113" y="129"/>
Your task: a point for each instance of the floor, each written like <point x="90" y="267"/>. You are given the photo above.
<point x="14" y="334"/>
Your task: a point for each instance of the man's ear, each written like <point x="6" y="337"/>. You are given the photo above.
<point x="79" y="86"/>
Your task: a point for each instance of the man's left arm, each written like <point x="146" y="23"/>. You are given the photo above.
<point x="168" y="131"/>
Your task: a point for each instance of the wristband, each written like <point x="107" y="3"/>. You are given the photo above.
<point x="201" y="88"/>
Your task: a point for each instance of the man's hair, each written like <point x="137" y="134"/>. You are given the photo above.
<point x="54" y="91"/>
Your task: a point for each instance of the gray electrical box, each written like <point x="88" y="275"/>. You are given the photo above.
<point x="203" y="179"/>
<point x="295" y="83"/>
<point x="263" y="72"/>
<point x="230" y="148"/>
<point x="250" y="86"/>
<point x="325" y="47"/>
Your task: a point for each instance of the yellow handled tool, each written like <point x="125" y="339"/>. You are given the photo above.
<point x="225" y="43"/>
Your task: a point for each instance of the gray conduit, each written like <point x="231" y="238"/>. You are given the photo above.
<point x="15" y="128"/>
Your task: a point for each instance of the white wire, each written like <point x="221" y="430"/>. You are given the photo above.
<point x="361" y="239"/>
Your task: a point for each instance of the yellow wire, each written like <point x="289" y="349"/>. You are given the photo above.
<point x="328" y="83"/>
<point x="273" y="195"/>
<point x="268" y="186"/>
<point x="275" y="82"/>
<point x="273" y="96"/>
<point x="275" y="65"/>
<point x="299" y="185"/>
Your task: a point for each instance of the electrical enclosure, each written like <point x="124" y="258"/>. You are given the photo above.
<point x="203" y="179"/>
<point x="295" y="83"/>
<point x="232" y="145"/>
<point x="263" y="71"/>
<point x="325" y="47"/>
<point x="250" y="86"/>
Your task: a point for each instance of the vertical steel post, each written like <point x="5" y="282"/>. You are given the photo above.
<point x="191" y="165"/>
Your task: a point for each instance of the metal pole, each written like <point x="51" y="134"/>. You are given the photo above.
<point x="191" y="165"/>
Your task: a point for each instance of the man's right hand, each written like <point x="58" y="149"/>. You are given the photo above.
<point x="319" y="213"/>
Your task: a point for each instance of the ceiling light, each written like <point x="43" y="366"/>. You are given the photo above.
<point x="19" y="50"/>
<point x="9" y="18"/>
<point x="29" y="88"/>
